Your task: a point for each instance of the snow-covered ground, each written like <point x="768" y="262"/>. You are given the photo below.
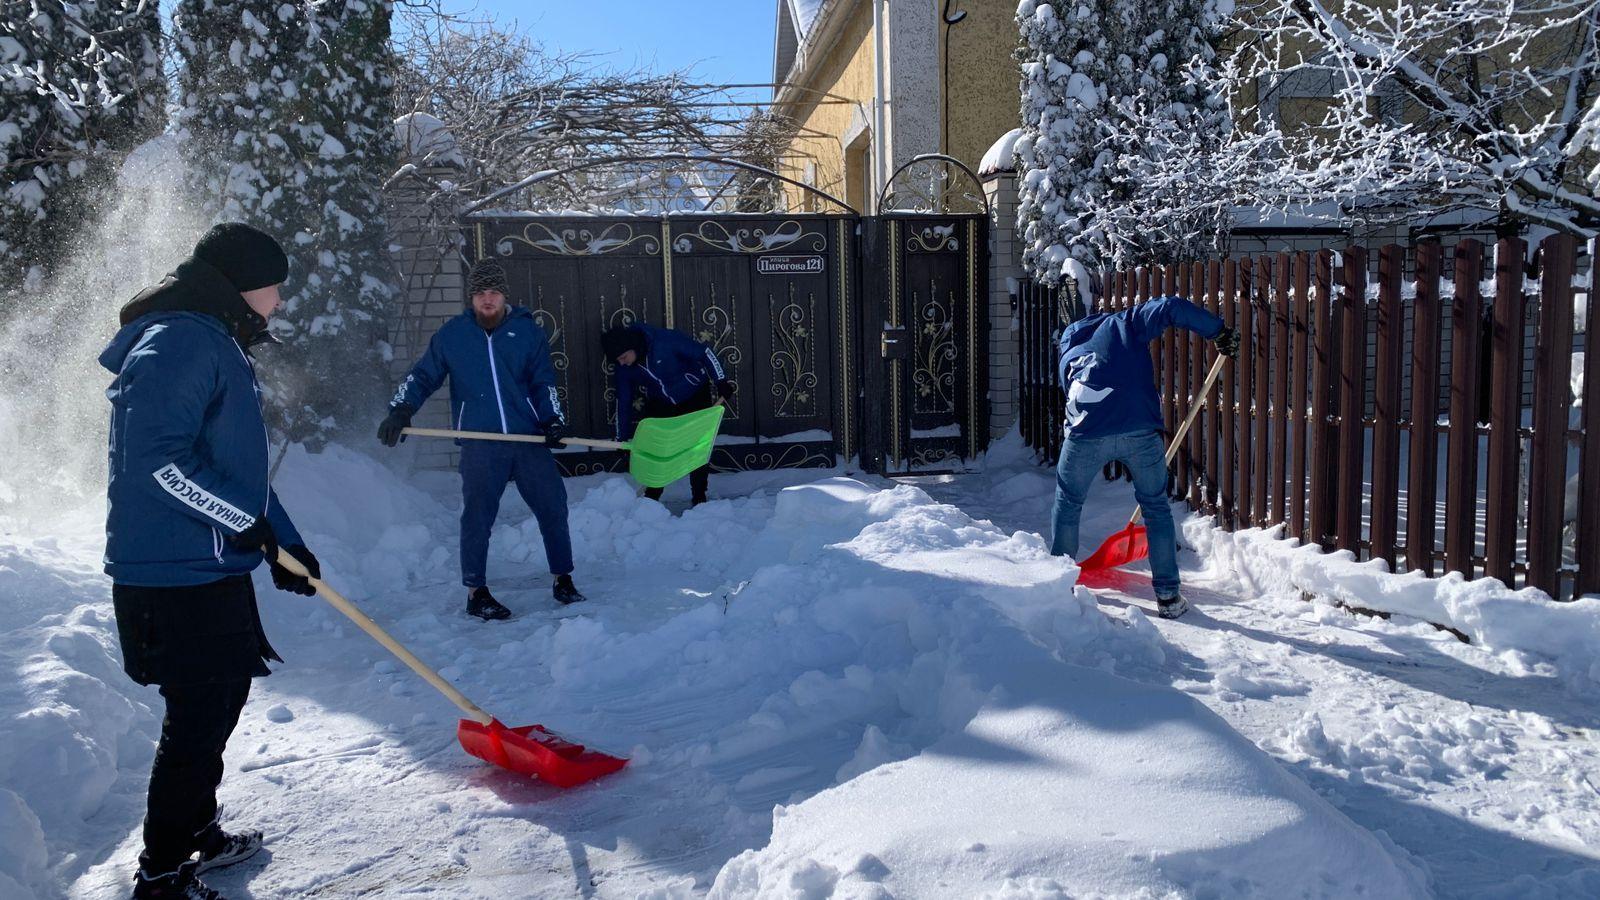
<point x="830" y="685"/>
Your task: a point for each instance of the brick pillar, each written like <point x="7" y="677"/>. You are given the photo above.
<point x="1005" y="271"/>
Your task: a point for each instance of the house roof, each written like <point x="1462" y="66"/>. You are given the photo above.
<point x="795" y="21"/>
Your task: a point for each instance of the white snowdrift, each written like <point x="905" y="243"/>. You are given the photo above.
<point x="909" y="683"/>
<point x="1526" y="621"/>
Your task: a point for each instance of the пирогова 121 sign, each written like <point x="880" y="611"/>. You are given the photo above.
<point x="790" y="265"/>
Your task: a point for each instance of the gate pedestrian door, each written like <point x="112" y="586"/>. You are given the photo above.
<point x="926" y="323"/>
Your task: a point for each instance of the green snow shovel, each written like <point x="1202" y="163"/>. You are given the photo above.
<point x="661" y="452"/>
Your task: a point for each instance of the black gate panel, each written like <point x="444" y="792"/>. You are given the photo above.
<point x="773" y="296"/>
<point x="927" y="373"/>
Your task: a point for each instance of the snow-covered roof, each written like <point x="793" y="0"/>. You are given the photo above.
<point x="426" y="140"/>
<point x="795" y="21"/>
<point x="1001" y="155"/>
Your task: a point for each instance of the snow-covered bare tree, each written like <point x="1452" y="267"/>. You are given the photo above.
<point x="287" y="116"/>
<point x="1454" y="104"/>
<point x="516" y="108"/>
<point x="1121" y="113"/>
<point x="80" y="85"/>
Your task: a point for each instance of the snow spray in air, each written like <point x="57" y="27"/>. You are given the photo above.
<point x="53" y="409"/>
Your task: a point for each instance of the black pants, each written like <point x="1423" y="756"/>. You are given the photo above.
<point x="661" y="409"/>
<point x="188" y="768"/>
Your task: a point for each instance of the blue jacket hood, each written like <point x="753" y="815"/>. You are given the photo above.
<point x="127" y="337"/>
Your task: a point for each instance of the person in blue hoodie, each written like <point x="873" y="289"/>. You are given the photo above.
<point x="190" y="514"/>
<point x="1114" y="414"/>
<point x="501" y="380"/>
<point x="677" y="375"/>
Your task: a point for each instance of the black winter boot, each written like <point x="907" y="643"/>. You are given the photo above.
<point x="179" y="885"/>
<point x="566" y="592"/>
<point x="218" y="848"/>
<point x="482" y="604"/>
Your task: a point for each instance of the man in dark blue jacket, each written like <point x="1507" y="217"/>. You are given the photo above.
<point x="678" y="375"/>
<point x="501" y="380"/>
<point x="189" y="514"/>
<point x="1113" y="414"/>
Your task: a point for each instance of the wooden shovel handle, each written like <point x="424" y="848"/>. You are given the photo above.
<point x="378" y="634"/>
<point x="1183" y="430"/>
<point x="523" y="438"/>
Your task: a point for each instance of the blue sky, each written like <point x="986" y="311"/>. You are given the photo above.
<point x="726" y="41"/>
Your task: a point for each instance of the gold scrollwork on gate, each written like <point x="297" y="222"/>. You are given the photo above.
<point x="735" y="458"/>
<point x="933" y="380"/>
<point x="554" y="325"/>
<point x="717" y="327"/>
<point x="933" y="239"/>
<point x="579" y="241"/>
<point x="750" y="239"/>
<point x="794" y="356"/>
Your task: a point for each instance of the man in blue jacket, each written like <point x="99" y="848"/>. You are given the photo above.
<point x="678" y="375"/>
<point x="501" y="380"/>
<point x="189" y="515"/>
<point x="1113" y="414"/>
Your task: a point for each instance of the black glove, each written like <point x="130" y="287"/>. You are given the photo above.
<point x="389" y="431"/>
<point x="725" y="390"/>
<point x="554" y="431"/>
<point x="1228" y="341"/>
<point x="286" y="580"/>
<point x="257" y="537"/>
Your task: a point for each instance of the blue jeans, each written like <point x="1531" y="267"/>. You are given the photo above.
<point x="486" y="467"/>
<point x="1143" y="453"/>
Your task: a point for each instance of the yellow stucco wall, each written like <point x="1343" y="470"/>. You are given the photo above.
<point x="983" y="101"/>
<point x="845" y="71"/>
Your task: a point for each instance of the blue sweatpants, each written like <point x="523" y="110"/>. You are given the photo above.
<point x="486" y="468"/>
<point x="1144" y="455"/>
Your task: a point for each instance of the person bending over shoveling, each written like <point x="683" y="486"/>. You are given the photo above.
<point x="501" y="380"/>
<point x="189" y="514"/>
<point x="678" y="375"/>
<point x="1113" y="414"/>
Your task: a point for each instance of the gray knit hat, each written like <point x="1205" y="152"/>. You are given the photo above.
<point x="487" y="275"/>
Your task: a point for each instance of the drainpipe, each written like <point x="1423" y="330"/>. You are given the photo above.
<point x="879" y="133"/>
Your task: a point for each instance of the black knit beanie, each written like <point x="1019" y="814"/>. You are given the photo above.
<point x="248" y="257"/>
<point x="487" y="275"/>
<point x="616" y="341"/>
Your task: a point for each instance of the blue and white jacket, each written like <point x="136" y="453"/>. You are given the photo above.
<point x="673" y="368"/>
<point x="1106" y="368"/>
<point x="500" y="380"/>
<point x="188" y="453"/>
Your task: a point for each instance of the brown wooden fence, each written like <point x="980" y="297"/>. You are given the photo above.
<point x="1419" y="416"/>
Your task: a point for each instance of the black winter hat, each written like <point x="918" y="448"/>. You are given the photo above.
<point x="487" y="275"/>
<point x="619" y="340"/>
<point x="248" y="257"/>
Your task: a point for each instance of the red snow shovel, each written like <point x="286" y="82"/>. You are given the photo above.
<point x="1131" y="543"/>
<point x="529" y="750"/>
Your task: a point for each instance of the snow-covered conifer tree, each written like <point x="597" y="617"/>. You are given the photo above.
<point x="80" y="84"/>
<point x="287" y="115"/>
<point x="1114" y="94"/>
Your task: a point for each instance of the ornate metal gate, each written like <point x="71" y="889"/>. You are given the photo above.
<point x="771" y="294"/>
<point x="924" y="294"/>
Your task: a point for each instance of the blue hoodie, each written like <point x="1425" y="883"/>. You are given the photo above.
<point x="1106" y="369"/>
<point x="500" y="381"/>
<point x="188" y="453"/>
<point x="672" y="370"/>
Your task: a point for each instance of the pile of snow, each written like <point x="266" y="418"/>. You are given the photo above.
<point x="1001" y="155"/>
<point x="1526" y="626"/>
<point x="425" y="140"/>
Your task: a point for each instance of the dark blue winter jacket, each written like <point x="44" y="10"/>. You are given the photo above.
<point x="673" y="369"/>
<point x="500" y="380"/>
<point x="1106" y="369"/>
<point x="188" y="453"/>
